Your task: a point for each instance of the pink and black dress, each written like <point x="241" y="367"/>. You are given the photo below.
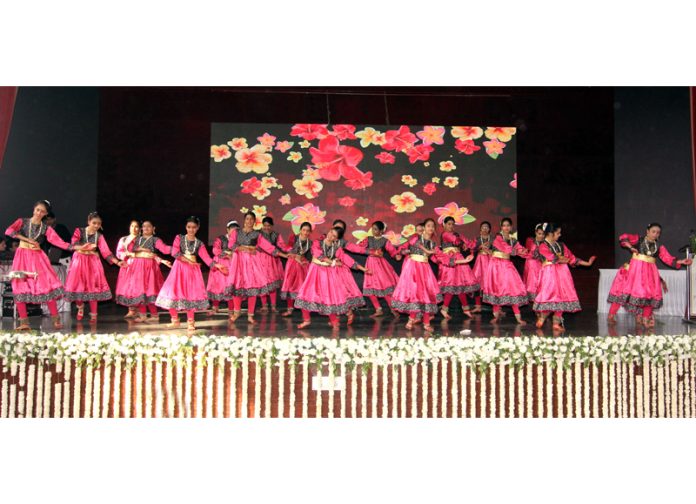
<point x="249" y="277"/>
<point x="502" y="283"/>
<point x="532" y="267"/>
<point x="383" y="280"/>
<point x="556" y="290"/>
<point x="272" y="263"/>
<point x="642" y="289"/>
<point x="481" y="263"/>
<point x="46" y="286"/>
<point x="217" y="281"/>
<point x="295" y="272"/>
<point x="184" y="288"/>
<point x="455" y="279"/>
<point x="142" y="280"/>
<point x="86" y="280"/>
<point x="616" y="292"/>
<point x="323" y="290"/>
<point x="122" y="254"/>
<point x="417" y="289"/>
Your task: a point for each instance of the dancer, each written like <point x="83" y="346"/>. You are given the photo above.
<point x="122" y="254"/>
<point x="184" y="288"/>
<point x="42" y="284"/>
<point x="502" y="283"/>
<point x="271" y="264"/>
<point x="143" y="279"/>
<point x="454" y="275"/>
<point x="322" y="290"/>
<point x="86" y="280"/>
<point x="345" y="276"/>
<point x="483" y="251"/>
<point x="532" y="264"/>
<point x="383" y="280"/>
<point x="217" y="280"/>
<point x="642" y="288"/>
<point x="248" y="278"/>
<point x="299" y="254"/>
<point x="556" y="291"/>
<point x="417" y="290"/>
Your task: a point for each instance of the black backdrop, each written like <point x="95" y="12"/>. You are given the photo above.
<point x="153" y="147"/>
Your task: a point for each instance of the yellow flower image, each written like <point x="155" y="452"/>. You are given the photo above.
<point x="244" y="209"/>
<point x="406" y="202"/>
<point x="447" y="166"/>
<point x="408" y="230"/>
<point x="467" y="132"/>
<point x="361" y="221"/>
<point x="305" y="144"/>
<point x="238" y="143"/>
<point x="379" y="139"/>
<point x="269" y="182"/>
<point x="255" y="159"/>
<point x="295" y="156"/>
<point x="435" y="180"/>
<point x="311" y="173"/>
<point x="451" y="181"/>
<point x="260" y="212"/>
<point x="500" y="133"/>
<point x="409" y="180"/>
<point x="219" y="152"/>
<point x="308" y="187"/>
<point x="368" y="135"/>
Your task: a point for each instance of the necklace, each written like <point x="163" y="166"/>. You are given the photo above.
<point x="302" y="249"/>
<point x="188" y="251"/>
<point x="31" y="227"/>
<point x="332" y="249"/>
<point x="650" y="251"/>
<point x="555" y="248"/>
<point x="87" y="237"/>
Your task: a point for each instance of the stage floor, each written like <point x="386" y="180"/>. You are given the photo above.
<point x="587" y="323"/>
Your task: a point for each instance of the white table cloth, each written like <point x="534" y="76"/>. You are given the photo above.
<point x="673" y="301"/>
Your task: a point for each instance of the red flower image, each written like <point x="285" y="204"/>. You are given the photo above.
<point x="429" y="188"/>
<point x="385" y="158"/>
<point x="335" y="161"/>
<point x="344" y="131"/>
<point x="347" y="201"/>
<point x="309" y="131"/>
<point x="251" y="185"/>
<point x="419" y="153"/>
<point x="468" y="147"/>
<point x="399" y="140"/>
<point x="363" y="181"/>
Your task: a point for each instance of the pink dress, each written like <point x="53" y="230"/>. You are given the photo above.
<point x="295" y="273"/>
<point x="184" y="288"/>
<point x="217" y="280"/>
<point x="122" y="254"/>
<point x="502" y="282"/>
<point x="417" y="289"/>
<point x="249" y="276"/>
<point x="455" y="278"/>
<point x="143" y="279"/>
<point x="482" y="260"/>
<point x="383" y="279"/>
<point x="642" y="286"/>
<point x="272" y="263"/>
<point x="46" y="286"/>
<point x="532" y="268"/>
<point x="617" y="289"/>
<point x="86" y="280"/>
<point x="556" y="291"/>
<point x="322" y="290"/>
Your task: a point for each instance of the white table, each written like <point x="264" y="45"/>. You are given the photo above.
<point x="60" y="269"/>
<point x="673" y="301"/>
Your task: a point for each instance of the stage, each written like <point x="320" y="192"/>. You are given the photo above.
<point x="585" y="323"/>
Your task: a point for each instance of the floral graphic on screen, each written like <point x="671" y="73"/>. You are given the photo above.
<point x="452" y="209"/>
<point x="399" y="174"/>
<point x="306" y="213"/>
<point x="255" y="159"/>
<point x="406" y="202"/>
